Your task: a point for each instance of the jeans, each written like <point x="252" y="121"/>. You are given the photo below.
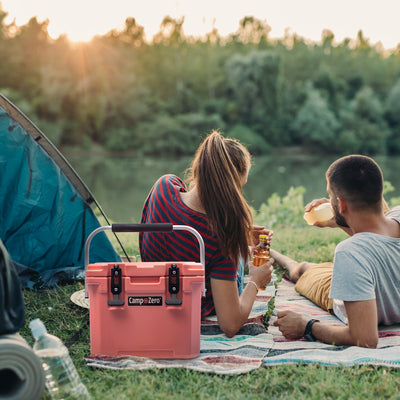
<point x="240" y="274"/>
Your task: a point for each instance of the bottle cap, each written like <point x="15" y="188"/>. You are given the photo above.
<point x="37" y="328"/>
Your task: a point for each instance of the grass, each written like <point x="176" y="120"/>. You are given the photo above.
<point x="70" y="322"/>
<point x="64" y="319"/>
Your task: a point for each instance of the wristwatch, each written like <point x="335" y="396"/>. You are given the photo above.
<point x="308" y="331"/>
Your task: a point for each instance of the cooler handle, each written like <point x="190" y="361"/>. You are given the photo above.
<point x="162" y="227"/>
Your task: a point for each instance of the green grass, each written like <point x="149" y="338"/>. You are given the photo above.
<point x="64" y="319"/>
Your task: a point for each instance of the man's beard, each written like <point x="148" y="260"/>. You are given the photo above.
<point x="340" y="220"/>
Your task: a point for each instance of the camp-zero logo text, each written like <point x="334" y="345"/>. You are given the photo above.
<point x="145" y="301"/>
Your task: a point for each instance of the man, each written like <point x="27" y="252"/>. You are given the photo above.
<point x="365" y="274"/>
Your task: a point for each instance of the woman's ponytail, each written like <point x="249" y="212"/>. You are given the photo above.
<point x="218" y="170"/>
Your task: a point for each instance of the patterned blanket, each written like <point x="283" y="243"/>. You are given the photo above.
<point x="218" y="353"/>
<point x="300" y="351"/>
<point x="253" y="346"/>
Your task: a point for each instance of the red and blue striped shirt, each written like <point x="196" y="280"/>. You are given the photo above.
<point x="164" y="204"/>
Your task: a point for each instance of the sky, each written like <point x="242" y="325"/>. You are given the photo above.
<point x="82" y="19"/>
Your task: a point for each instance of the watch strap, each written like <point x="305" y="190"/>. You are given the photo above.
<point x="308" y="331"/>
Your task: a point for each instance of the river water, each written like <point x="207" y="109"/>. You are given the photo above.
<point x="121" y="184"/>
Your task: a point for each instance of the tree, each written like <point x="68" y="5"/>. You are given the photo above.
<point x="255" y="82"/>
<point x="327" y="39"/>
<point x="33" y="42"/>
<point x="392" y="108"/>
<point x="315" y="123"/>
<point x="3" y="27"/>
<point x="365" y="129"/>
<point x="252" y="31"/>
<point x="132" y="35"/>
<point x="171" y="31"/>
<point x="7" y="76"/>
<point x="330" y="86"/>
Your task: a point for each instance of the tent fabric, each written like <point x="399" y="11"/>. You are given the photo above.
<point x="45" y="209"/>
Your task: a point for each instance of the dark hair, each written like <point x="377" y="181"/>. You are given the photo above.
<point x="217" y="170"/>
<point x="358" y="179"/>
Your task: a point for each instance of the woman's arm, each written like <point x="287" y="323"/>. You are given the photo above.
<point x="232" y="310"/>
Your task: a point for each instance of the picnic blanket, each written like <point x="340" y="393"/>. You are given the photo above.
<point x="286" y="351"/>
<point x="218" y="354"/>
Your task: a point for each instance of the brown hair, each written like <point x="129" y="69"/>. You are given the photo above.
<point x="358" y="179"/>
<point x="217" y="170"/>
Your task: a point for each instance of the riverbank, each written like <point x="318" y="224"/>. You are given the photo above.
<point x="120" y="182"/>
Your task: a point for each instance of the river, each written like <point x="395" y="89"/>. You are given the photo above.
<point x="121" y="184"/>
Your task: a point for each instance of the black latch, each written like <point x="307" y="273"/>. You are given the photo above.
<point x="116" y="286"/>
<point x="173" y="285"/>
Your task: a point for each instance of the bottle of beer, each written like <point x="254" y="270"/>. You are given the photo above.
<point x="261" y="253"/>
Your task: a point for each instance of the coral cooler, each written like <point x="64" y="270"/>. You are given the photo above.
<point x="147" y="309"/>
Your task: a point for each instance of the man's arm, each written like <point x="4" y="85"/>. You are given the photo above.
<point x="362" y="329"/>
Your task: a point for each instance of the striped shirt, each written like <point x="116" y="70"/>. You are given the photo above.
<point x="164" y="204"/>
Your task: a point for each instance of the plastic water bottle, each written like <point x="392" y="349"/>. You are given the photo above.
<point x="61" y="377"/>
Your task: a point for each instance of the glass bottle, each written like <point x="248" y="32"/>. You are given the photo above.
<point x="261" y="253"/>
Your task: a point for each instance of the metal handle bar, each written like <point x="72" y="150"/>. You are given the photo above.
<point x="162" y="227"/>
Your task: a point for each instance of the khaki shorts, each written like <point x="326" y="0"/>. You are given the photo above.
<point x="315" y="284"/>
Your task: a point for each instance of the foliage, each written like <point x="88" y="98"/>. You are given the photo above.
<point x="125" y="92"/>
<point x="287" y="210"/>
<point x="392" y="106"/>
<point x="254" y="79"/>
<point x="174" y="135"/>
<point x="365" y="130"/>
<point x="315" y="123"/>
<point x="254" y="142"/>
<point x="388" y="188"/>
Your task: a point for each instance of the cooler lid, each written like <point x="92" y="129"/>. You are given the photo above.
<point x="143" y="269"/>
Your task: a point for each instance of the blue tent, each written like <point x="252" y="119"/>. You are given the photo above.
<point x="45" y="209"/>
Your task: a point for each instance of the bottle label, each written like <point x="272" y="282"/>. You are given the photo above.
<point x="145" y="301"/>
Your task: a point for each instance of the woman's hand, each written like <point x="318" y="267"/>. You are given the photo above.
<point x="260" y="230"/>
<point x="261" y="275"/>
<point x="233" y="311"/>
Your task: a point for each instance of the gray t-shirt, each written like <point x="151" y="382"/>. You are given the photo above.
<point x="366" y="267"/>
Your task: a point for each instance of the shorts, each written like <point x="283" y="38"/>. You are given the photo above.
<point x="315" y="284"/>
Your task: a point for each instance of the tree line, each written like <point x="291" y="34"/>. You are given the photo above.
<point x="158" y="97"/>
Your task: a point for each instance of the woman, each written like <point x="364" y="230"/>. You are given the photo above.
<point x="214" y="205"/>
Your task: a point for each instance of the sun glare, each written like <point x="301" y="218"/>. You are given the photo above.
<point x="74" y="35"/>
<point x="81" y="20"/>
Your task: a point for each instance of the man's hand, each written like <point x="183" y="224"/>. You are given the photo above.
<point x="291" y="324"/>
<point x="315" y="203"/>
<point x="361" y="331"/>
<point x="330" y="223"/>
